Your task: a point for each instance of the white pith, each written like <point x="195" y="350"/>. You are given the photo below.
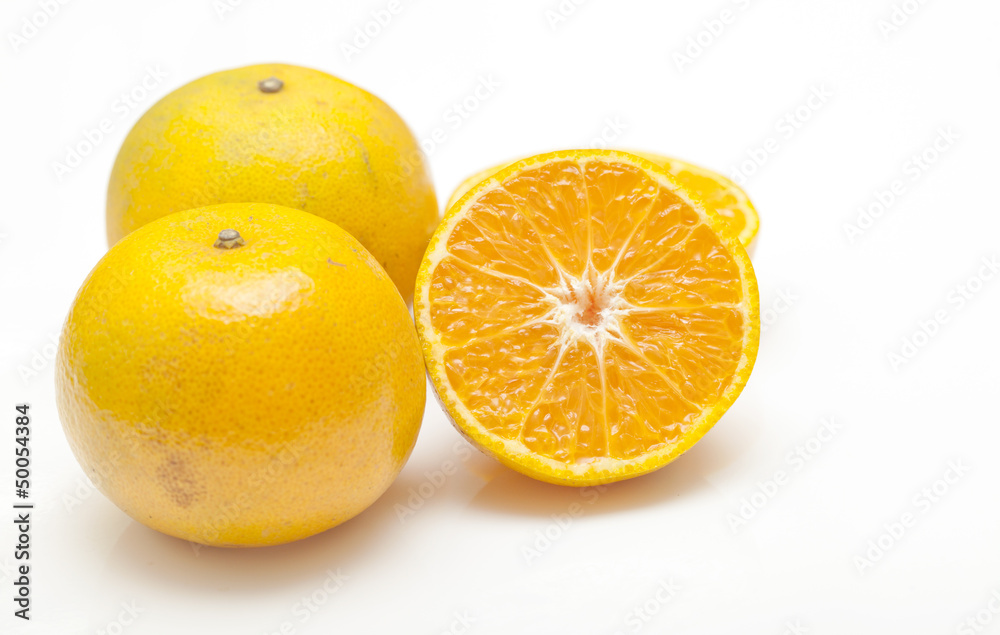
<point x="577" y="298"/>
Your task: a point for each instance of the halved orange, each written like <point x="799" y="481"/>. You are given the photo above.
<point x="710" y="188"/>
<point x="583" y="319"/>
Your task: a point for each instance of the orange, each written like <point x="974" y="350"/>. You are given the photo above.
<point x="240" y="390"/>
<point x="711" y="189"/>
<point x="583" y="319"/>
<point x="293" y="136"/>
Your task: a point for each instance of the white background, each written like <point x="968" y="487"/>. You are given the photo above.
<point x="836" y="303"/>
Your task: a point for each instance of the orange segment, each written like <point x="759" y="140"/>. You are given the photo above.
<point x="554" y="198"/>
<point x="695" y="263"/>
<point x="694" y="348"/>
<point x="583" y="319"/>
<point x="637" y="393"/>
<point x="496" y="236"/>
<point x="665" y="228"/>
<point x="503" y="376"/>
<point x="620" y="196"/>
<point x="567" y="423"/>
<point x="470" y="302"/>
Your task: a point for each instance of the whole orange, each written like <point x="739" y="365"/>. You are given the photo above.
<point x="282" y="134"/>
<point x="240" y="390"/>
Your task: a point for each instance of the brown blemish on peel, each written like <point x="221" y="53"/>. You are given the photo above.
<point x="179" y="481"/>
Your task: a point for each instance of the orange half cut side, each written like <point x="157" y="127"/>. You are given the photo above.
<point x="583" y="320"/>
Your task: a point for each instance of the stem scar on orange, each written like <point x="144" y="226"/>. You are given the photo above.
<point x="240" y="375"/>
<point x="583" y="319"/>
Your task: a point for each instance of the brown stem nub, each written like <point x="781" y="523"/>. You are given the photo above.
<point x="270" y="85"/>
<point x="229" y="239"/>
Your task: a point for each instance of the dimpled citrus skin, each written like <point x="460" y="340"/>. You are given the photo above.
<point x="318" y="144"/>
<point x="246" y="396"/>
